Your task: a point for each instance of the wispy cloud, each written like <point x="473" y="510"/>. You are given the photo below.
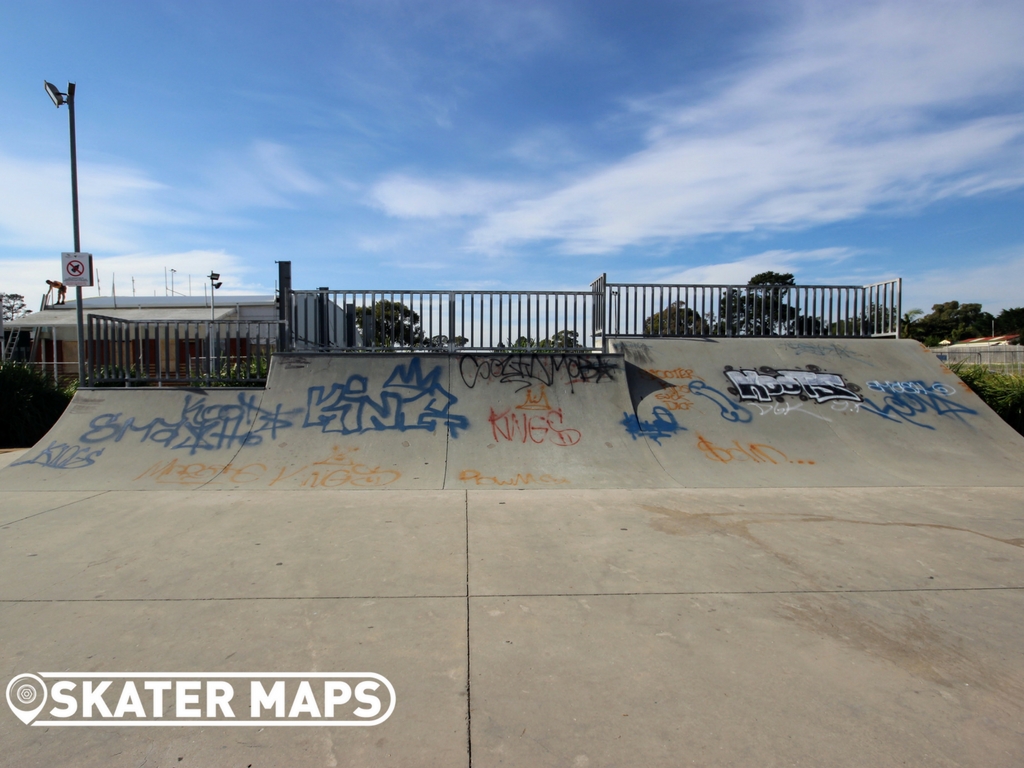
<point x="857" y="108"/>
<point x="739" y="271"/>
<point x="265" y="174"/>
<point x="35" y="205"/>
<point x="413" y="198"/>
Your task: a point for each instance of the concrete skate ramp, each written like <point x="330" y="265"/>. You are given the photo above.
<point x="357" y="422"/>
<point x="813" y="412"/>
<point x="655" y="413"/>
<point x="544" y="420"/>
<point x="323" y="422"/>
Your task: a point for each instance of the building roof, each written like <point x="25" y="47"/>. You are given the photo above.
<point x="989" y="341"/>
<point x="141" y="308"/>
<point x="67" y="317"/>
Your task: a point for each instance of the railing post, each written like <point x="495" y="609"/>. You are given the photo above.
<point x="899" y="304"/>
<point x="451" y="322"/>
<point x="284" y="299"/>
<point x="350" y="325"/>
<point x="599" y="307"/>
<point x="323" y="329"/>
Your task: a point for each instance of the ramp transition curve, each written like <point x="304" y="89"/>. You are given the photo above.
<point x="652" y="413"/>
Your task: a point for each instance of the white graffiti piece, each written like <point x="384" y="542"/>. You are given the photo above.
<point x="766" y="384"/>
<point x="784" y="409"/>
<point x="911" y="388"/>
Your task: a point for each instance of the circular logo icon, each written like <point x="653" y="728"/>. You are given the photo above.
<point x="26" y="696"/>
<point x="75" y="268"/>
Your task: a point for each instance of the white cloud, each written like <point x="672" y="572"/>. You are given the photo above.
<point x="35" y="205"/>
<point x="265" y="175"/>
<point x="993" y="281"/>
<point x="410" y="198"/>
<point x="738" y="272"/>
<point x="857" y="108"/>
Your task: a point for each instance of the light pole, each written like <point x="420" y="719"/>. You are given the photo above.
<point x="68" y="98"/>
<point x="173" y="270"/>
<point x="214" y="285"/>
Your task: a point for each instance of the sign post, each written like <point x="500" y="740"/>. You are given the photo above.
<point x="76" y="271"/>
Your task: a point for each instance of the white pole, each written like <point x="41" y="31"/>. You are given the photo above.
<point x="56" y="378"/>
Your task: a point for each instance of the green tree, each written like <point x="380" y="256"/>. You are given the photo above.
<point x="30" y="403"/>
<point x="772" y="278"/>
<point x="761" y="309"/>
<point x="675" y="320"/>
<point x="953" y="321"/>
<point x="14" y="306"/>
<point x="1011" y="321"/>
<point x="558" y="341"/>
<point x="908" y="322"/>
<point x="443" y="342"/>
<point x="390" y="324"/>
<point x="562" y="340"/>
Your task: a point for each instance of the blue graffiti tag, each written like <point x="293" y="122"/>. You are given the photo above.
<point x="730" y="410"/>
<point x="663" y="424"/>
<point x="408" y="400"/>
<point x="903" y="407"/>
<point x="201" y="426"/>
<point x="911" y="387"/>
<point x="63" y="456"/>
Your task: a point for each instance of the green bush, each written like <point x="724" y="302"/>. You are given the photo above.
<point x="1002" y="392"/>
<point x="30" y="403"/>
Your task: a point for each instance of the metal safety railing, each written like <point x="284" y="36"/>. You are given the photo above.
<point x="998" y="359"/>
<point x="236" y="352"/>
<point x="441" y="321"/>
<point x="184" y="353"/>
<point x="645" y="309"/>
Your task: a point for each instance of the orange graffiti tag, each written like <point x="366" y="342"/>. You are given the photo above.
<point x="336" y="470"/>
<point x="674" y="398"/>
<point x="538" y="402"/>
<point x="759" y="453"/>
<point x="196" y="473"/>
<point x="474" y="476"/>
<point x="675" y="373"/>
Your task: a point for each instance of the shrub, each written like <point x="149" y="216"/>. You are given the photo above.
<point x="1002" y="392"/>
<point x="30" y="403"/>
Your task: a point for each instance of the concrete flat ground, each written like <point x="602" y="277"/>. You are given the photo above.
<point x="661" y="627"/>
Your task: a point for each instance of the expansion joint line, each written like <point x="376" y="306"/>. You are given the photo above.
<point x="469" y="654"/>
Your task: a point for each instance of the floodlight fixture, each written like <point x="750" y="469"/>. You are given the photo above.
<point x="214" y="276"/>
<point x="217" y="285"/>
<point x="54" y="93"/>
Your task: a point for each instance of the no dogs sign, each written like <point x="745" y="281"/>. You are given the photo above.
<point x="77" y="269"/>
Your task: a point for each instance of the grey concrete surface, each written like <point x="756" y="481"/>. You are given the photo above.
<point x="421" y="642"/>
<point x="547" y="570"/>
<point x="7" y="455"/>
<point x="873" y="413"/>
<point x="722" y="627"/>
<point x="663" y="413"/>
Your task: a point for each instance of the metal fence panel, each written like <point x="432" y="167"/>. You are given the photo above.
<point x="1000" y="359"/>
<point x="184" y="353"/>
<point x="442" y="321"/>
<point x="648" y="309"/>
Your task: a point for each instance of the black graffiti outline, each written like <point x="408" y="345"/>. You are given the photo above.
<point x="529" y="369"/>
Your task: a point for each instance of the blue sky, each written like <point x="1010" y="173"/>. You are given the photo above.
<point x="519" y="144"/>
